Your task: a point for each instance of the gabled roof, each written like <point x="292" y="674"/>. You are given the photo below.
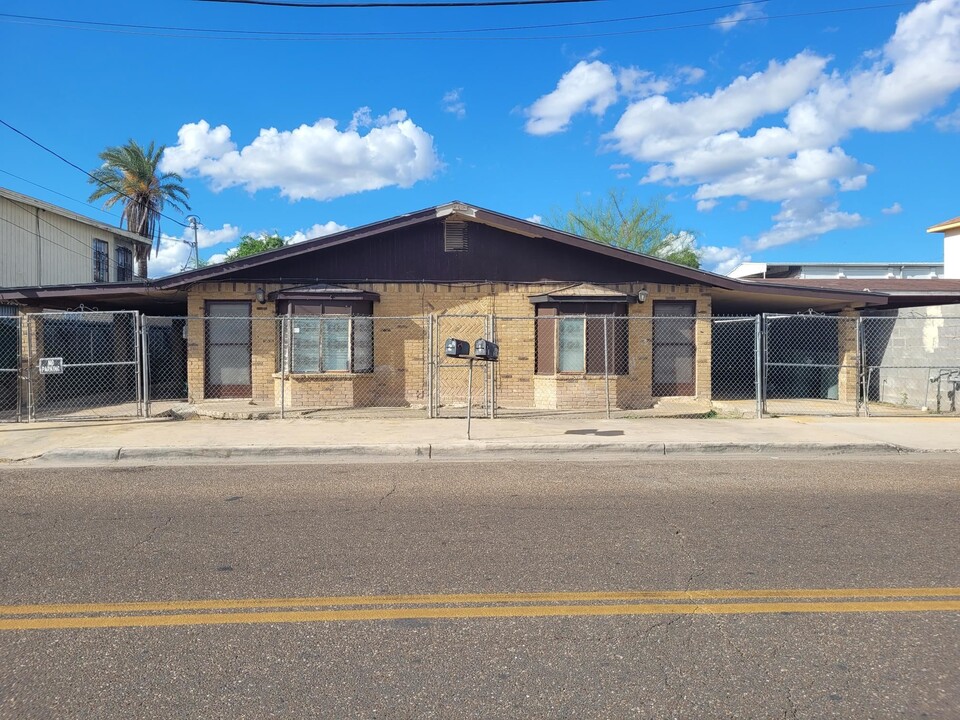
<point x="63" y="212"/>
<point x="470" y="213"/>
<point x="945" y="225"/>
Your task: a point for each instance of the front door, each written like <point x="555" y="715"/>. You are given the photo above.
<point x="674" y="348"/>
<point x="228" y="350"/>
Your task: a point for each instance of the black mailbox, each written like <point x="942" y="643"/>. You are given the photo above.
<point x="457" y="348"/>
<point x="486" y="349"/>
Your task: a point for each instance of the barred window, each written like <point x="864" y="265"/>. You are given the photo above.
<point x="124" y="264"/>
<point x="331" y="338"/>
<point x="570" y="338"/>
<point x="101" y="261"/>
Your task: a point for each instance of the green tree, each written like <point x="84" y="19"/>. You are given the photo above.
<point x="631" y="225"/>
<point x="253" y="244"/>
<point x="130" y="176"/>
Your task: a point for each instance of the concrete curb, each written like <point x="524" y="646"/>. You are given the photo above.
<point x="474" y="450"/>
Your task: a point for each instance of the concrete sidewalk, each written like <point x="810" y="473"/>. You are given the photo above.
<point x="303" y="439"/>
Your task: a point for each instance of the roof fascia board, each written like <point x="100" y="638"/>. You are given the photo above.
<point x="211" y="273"/>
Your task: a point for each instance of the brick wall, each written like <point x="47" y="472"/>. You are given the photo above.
<point x="402" y="355"/>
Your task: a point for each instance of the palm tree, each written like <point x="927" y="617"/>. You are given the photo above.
<point x="129" y="175"/>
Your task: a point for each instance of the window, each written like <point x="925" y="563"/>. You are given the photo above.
<point x="570" y="338"/>
<point x="124" y="264"/>
<point x="101" y="261"/>
<point x="328" y="337"/>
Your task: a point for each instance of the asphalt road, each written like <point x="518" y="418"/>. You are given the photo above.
<point x="273" y="535"/>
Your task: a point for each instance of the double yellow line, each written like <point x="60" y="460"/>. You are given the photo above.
<point x="475" y="605"/>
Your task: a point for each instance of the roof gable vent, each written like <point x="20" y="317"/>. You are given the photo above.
<point x="454" y="236"/>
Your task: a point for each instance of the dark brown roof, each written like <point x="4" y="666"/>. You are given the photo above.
<point x="471" y="213"/>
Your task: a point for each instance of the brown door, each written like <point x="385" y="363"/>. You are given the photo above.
<point x="228" y="350"/>
<point x="674" y="348"/>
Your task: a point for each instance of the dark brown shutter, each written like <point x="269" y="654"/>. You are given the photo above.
<point x="546" y="331"/>
<point x="595" y="354"/>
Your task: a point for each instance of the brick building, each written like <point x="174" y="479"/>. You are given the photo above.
<point x="358" y="319"/>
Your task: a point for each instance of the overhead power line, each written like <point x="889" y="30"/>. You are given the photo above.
<point x="295" y="34"/>
<point x="77" y="167"/>
<point x="57" y="192"/>
<point x="366" y="5"/>
<point x="448" y="34"/>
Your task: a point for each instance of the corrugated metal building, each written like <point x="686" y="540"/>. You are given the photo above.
<point x="43" y="245"/>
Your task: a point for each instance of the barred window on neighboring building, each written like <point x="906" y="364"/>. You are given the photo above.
<point x="101" y="261"/>
<point x="124" y="264"/>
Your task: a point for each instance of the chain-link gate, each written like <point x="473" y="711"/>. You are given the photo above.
<point x="911" y="363"/>
<point x="735" y="367"/>
<point x="811" y="365"/>
<point x="10" y="342"/>
<point x="83" y="365"/>
<point x="451" y="375"/>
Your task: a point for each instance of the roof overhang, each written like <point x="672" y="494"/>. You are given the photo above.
<point x="946" y="225"/>
<point x="583" y="293"/>
<point x="325" y="292"/>
<point x="114" y="296"/>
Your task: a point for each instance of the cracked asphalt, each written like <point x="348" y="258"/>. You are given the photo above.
<point x="718" y="522"/>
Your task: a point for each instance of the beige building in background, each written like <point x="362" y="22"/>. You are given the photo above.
<point x="44" y="245"/>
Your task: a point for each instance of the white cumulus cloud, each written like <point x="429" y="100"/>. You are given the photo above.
<point x="588" y="87"/>
<point x="894" y="209"/>
<point x="315" y="161"/>
<point x="315" y="231"/>
<point x="777" y="134"/>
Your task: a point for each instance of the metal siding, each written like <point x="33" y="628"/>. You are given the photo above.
<point x="18" y="245"/>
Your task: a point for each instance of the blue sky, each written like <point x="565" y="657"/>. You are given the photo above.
<point x="772" y="130"/>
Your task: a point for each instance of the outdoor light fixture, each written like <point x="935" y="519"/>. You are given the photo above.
<point x="261" y="295"/>
<point x="642" y="296"/>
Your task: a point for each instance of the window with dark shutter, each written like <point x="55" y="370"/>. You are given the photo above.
<point x="101" y="261"/>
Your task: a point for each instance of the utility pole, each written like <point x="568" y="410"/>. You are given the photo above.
<point x="194" y="246"/>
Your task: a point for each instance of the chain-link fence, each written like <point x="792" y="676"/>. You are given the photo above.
<point x="83" y="365"/>
<point x="103" y="364"/>
<point x="911" y="363"/>
<point x="10" y="343"/>
<point x="810" y="365"/>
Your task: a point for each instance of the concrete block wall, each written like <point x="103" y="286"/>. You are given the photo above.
<point x="909" y="348"/>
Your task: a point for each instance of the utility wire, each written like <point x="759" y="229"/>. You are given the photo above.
<point x="305" y="34"/>
<point x="56" y="192"/>
<point x="367" y="5"/>
<point x="434" y="35"/>
<point x="74" y="165"/>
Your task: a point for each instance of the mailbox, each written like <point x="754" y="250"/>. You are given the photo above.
<point x="457" y="348"/>
<point x="486" y="350"/>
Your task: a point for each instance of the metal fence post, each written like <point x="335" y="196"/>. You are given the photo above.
<point x="430" y="367"/>
<point x="764" y="351"/>
<point x="606" y="365"/>
<point x="493" y="370"/>
<point x="859" y="346"/>
<point x="144" y="364"/>
<point x="29" y="365"/>
<point x="758" y="364"/>
<point x="283" y="364"/>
